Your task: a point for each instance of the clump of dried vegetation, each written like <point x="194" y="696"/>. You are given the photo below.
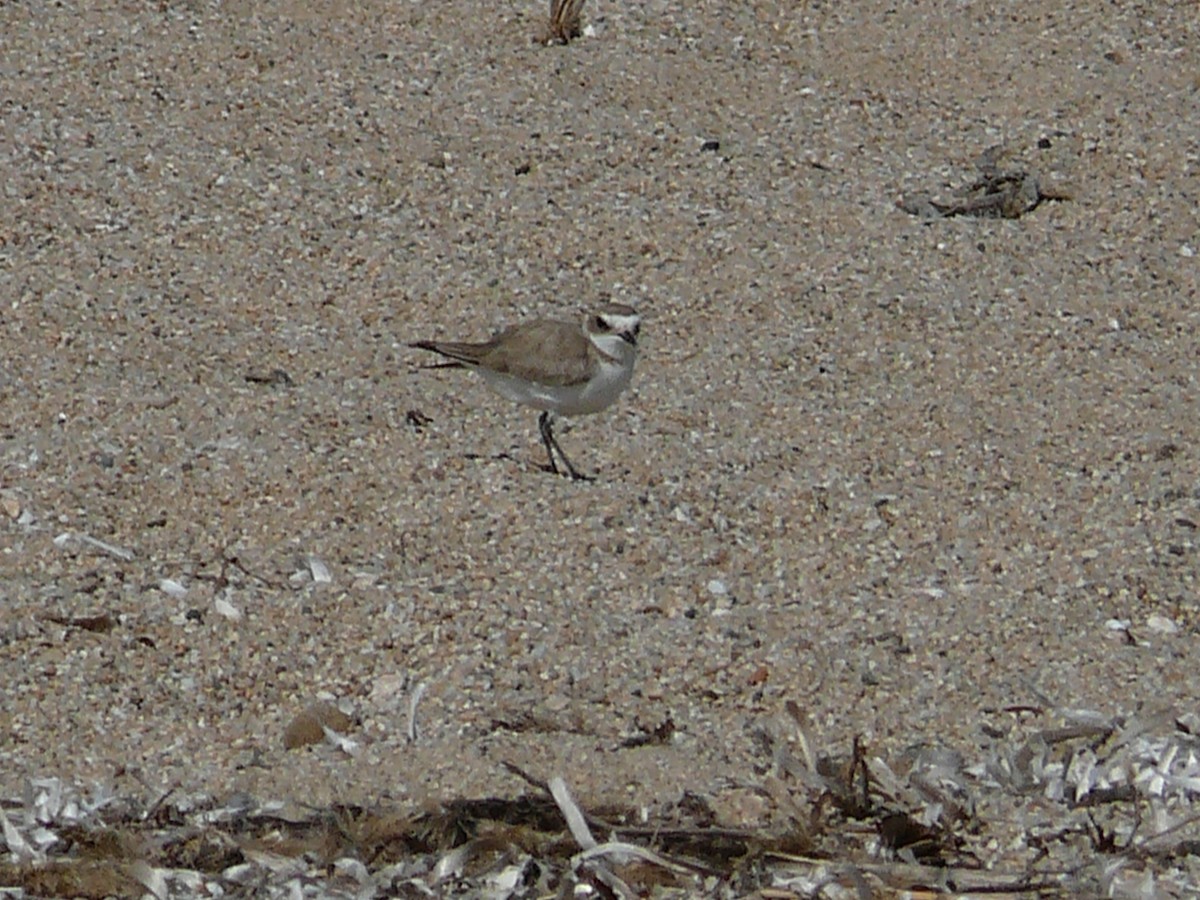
<point x="565" y="23"/>
<point x="1081" y="806"/>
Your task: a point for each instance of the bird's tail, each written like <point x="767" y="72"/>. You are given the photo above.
<point x="462" y="355"/>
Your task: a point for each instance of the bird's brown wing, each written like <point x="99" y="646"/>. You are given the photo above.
<point x="544" y="352"/>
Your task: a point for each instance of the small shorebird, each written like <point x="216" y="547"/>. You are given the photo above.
<point x="557" y="367"/>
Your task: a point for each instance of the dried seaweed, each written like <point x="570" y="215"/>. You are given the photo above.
<point x="1083" y="805"/>
<point x="1008" y="187"/>
<point x="564" y="24"/>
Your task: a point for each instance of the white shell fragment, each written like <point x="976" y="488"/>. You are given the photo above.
<point x="320" y="571"/>
<point x="172" y="588"/>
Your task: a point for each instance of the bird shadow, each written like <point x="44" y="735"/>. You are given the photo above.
<point x="503" y="456"/>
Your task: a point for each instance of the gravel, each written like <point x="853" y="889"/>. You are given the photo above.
<point x="930" y="481"/>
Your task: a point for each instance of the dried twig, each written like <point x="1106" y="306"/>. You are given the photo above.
<point x="622" y="853"/>
<point x="525" y="776"/>
<point x="413" y="702"/>
<point x="565" y="23"/>
<point x="111" y="549"/>
<point x="572" y="813"/>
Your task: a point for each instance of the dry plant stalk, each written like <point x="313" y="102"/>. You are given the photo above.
<point x="566" y="22"/>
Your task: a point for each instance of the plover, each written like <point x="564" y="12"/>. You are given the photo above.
<point x="561" y="368"/>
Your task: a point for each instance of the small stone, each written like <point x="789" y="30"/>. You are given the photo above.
<point x="1189" y="722"/>
<point x="1161" y="624"/>
<point x="309" y="726"/>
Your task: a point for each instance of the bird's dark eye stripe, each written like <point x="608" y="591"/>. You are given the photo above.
<point x="601" y="325"/>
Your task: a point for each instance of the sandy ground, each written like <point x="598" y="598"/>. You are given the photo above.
<point x="905" y="474"/>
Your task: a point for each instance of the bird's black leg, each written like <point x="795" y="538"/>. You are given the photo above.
<point x="548" y="439"/>
<point x="545" y="425"/>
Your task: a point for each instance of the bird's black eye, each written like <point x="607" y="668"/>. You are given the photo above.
<point x="600" y="324"/>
